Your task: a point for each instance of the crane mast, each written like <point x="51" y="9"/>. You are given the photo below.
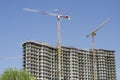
<point x="59" y="49"/>
<point x="93" y="33"/>
<point x="59" y="16"/>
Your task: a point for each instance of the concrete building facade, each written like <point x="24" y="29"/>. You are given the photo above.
<point x="40" y="60"/>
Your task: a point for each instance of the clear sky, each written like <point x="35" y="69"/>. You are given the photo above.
<point x="18" y="26"/>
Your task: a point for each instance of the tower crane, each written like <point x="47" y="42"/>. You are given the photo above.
<point x="59" y="16"/>
<point x="92" y="34"/>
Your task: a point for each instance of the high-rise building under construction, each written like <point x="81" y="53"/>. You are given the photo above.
<point x="41" y="60"/>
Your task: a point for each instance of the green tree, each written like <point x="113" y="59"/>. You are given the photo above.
<point x="14" y="74"/>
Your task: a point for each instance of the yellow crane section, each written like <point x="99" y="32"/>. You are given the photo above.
<point x="59" y="16"/>
<point x="93" y="33"/>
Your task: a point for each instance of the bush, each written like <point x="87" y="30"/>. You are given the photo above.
<point x="14" y="74"/>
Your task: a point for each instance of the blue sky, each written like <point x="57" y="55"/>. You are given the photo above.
<point x="18" y="26"/>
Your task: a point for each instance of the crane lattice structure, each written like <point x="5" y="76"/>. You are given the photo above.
<point x="93" y="33"/>
<point x="59" y="16"/>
